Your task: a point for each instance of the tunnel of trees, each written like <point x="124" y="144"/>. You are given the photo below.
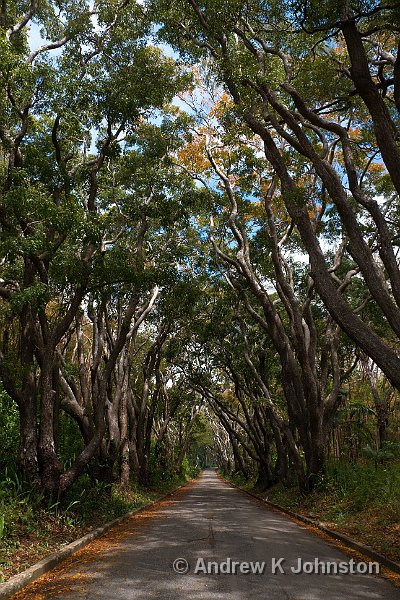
<point x="200" y="239"/>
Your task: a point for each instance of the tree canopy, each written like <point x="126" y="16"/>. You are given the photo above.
<point x="199" y="251"/>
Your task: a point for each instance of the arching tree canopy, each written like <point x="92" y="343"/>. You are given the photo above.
<point x="199" y="245"/>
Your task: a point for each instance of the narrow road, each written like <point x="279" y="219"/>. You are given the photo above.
<point x="209" y="521"/>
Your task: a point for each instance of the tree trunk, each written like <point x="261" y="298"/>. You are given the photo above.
<point x="49" y="466"/>
<point x="28" y="460"/>
<point x="124" y="474"/>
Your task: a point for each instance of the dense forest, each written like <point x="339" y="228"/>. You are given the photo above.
<point x="200" y="246"/>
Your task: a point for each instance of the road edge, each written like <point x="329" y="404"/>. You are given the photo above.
<point x="18" y="582"/>
<point x="340" y="537"/>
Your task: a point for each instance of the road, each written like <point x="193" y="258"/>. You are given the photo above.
<point x="209" y="521"/>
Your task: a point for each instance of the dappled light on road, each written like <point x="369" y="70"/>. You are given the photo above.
<point x="207" y="522"/>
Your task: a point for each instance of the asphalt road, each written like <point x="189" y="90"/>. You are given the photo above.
<point x="209" y="521"/>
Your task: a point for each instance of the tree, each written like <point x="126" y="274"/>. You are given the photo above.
<point x="253" y="239"/>
<point x="261" y="59"/>
<point x="66" y="122"/>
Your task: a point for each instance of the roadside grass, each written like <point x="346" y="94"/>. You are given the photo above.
<point x="361" y="500"/>
<point x="31" y="528"/>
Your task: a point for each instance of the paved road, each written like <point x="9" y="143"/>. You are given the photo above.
<point x="208" y="521"/>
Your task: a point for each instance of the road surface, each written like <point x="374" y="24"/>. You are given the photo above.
<point x="224" y="535"/>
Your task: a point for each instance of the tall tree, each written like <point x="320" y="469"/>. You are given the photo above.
<point x="262" y="58"/>
<point x="66" y="120"/>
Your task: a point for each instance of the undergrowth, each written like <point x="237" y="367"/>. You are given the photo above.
<point x="359" y="499"/>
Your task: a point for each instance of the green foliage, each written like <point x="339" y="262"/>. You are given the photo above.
<point x="357" y="486"/>
<point x="349" y="491"/>
<point x="313" y="14"/>
<point x="388" y="452"/>
<point x="9" y="432"/>
<point x="201" y="452"/>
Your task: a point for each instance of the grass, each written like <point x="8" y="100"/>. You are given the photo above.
<point x="30" y="529"/>
<point x="360" y="500"/>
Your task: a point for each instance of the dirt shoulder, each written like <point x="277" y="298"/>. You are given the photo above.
<point x="33" y="534"/>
